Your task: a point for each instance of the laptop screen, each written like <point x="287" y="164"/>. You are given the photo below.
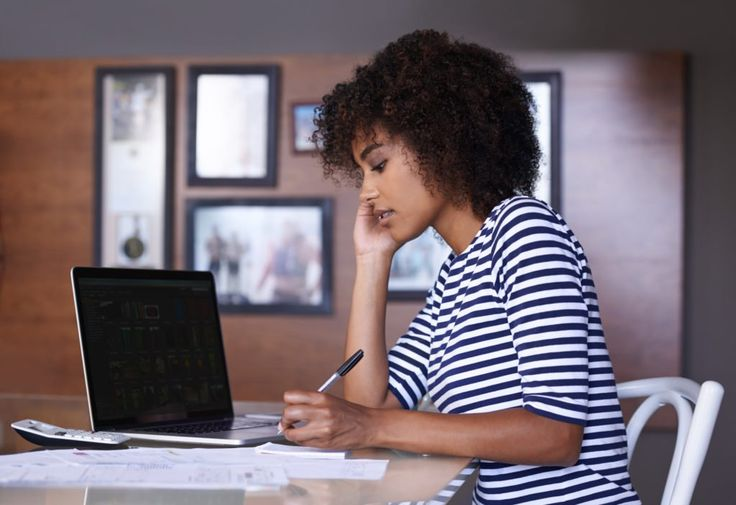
<point x="152" y="346"/>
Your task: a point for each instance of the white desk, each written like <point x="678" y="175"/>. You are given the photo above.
<point x="409" y="477"/>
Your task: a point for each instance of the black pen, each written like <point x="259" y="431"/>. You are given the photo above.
<point x="344" y="369"/>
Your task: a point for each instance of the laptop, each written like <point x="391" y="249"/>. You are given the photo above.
<point x="154" y="360"/>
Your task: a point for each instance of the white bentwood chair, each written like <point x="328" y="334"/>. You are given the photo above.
<point x="694" y="427"/>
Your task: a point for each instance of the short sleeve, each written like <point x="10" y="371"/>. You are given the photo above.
<point x="540" y="282"/>
<point x="408" y="359"/>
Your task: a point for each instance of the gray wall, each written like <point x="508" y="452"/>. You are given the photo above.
<point x="704" y="29"/>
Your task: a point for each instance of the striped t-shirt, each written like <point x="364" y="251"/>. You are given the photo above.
<point x="513" y="321"/>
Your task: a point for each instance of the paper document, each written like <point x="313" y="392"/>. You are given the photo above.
<point x="148" y="476"/>
<point x="241" y="468"/>
<point x="299" y="451"/>
<point x="360" y="469"/>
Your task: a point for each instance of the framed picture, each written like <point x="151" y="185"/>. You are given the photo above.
<point x="415" y="266"/>
<point x="545" y="87"/>
<point x="302" y="120"/>
<point x="232" y="125"/>
<point x="267" y="255"/>
<point x="134" y="121"/>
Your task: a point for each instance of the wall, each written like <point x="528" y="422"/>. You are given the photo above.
<point x="618" y="110"/>
<point x="33" y="29"/>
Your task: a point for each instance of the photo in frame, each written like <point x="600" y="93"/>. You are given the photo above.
<point x="268" y="255"/>
<point x="302" y="121"/>
<point x="416" y="264"/>
<point x="232" y="125"/>
<point x="545" y="88"/>
<point x="134" y="121"/>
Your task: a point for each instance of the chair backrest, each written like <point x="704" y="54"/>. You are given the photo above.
<point x="694" y="427"/>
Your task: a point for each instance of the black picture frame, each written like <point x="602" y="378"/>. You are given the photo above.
<point x="268" y="255"/>
<point x="232" y="125"/>
<point x="546" y="87"/>
<point x="133" y="165"/>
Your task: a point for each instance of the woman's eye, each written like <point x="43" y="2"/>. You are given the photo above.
<point x="379" y="167"/>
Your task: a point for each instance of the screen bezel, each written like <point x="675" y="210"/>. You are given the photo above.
<point x="102" y="273"/>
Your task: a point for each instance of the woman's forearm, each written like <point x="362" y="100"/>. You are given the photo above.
<point x="367" y="384"/>
<point x="513" y="436"/>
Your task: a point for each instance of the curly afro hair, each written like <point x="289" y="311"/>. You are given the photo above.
<point x="461" y="109"/>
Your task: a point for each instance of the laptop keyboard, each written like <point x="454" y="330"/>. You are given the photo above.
<point x="212" y="427"/>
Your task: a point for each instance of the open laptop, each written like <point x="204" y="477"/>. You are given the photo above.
<point x="154" y="360"/>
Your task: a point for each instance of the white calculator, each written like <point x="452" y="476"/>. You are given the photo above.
<point x="48" y="435"/>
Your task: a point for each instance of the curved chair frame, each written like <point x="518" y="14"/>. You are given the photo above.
<point x="694" y="427"/>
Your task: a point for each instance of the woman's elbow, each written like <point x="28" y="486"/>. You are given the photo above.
<point x="568" y="445"/>
<point x="568" y="457"/>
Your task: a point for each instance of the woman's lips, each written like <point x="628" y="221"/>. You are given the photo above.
<point x="384" y="215"/>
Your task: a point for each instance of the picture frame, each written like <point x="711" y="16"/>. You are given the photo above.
<point x="232" y="125"/>
<point x="415" y="266"/>
<point x="546" y="88"/>
<point x="268" y="255"/>
<point x="302" y="126"/>
<point x="133" y="158"/>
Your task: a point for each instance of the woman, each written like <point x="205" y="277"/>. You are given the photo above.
<point x="509" y="345"/>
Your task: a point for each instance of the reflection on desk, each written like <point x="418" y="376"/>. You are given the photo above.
<point x="409" y="477"/>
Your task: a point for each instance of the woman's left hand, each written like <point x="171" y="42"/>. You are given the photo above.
<point x="328" y="422"/>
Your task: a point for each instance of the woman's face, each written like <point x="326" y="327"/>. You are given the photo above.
<point x="391" y="184"/>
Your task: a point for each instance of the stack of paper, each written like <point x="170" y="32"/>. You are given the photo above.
<point x="271" y="465"/>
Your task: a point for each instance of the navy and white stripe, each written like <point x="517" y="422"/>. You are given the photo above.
<point x="512" y="322"/>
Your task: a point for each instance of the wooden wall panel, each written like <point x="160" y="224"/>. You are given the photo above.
<point x="622" y="193"/>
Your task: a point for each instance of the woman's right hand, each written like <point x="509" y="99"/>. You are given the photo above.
<point x="369" y="236"/>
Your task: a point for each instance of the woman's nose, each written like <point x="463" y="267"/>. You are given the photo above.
<point x="368" y="190"/>
<point x="367" y="194"/>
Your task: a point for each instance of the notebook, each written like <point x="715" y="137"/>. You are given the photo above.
<point x="154" y="360"/>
